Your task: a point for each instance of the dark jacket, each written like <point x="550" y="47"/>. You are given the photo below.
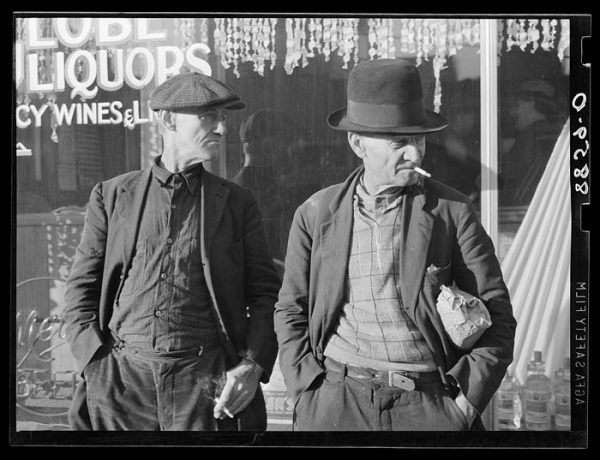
<point x="238" y="269"/>
<point x="441" y="229"/>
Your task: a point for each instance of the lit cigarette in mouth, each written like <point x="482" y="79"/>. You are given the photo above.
<point x="422" y="171"/>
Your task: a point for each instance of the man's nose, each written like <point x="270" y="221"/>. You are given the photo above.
<point x="220" y="127"/>
<point x="411" y="153"/>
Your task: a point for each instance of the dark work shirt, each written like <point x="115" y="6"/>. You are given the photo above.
<point x="164" y="305"/>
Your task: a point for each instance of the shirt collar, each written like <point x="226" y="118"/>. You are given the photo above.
<point x="387" y="198"/>
<point x="191" y="176"/>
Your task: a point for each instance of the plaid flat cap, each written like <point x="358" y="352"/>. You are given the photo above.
<point x="191" y="89"/>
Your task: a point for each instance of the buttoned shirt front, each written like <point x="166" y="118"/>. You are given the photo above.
<point x="164" y="305"/>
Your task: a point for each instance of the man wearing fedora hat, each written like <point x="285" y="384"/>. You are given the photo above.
<point x="169" y="304"/>
<point x="362" y="346"/>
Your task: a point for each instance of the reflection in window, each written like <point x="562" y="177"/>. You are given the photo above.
<point x="291" y="73"/>
<point x="534" y="199"/>
<point x="305" y="155"/>
<point x="533" y="91"/>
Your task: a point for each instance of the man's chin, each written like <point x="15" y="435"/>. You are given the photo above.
<point x="206" y="155"/>
<point x="406" y="179"/>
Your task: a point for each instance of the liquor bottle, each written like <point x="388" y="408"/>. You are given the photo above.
<point x="508" y="404"/>
<point x="562" y="398"/>
<point x="538" y="395"/>
<point x="558" y="376"/>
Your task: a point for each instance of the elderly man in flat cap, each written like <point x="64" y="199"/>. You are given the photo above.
<point x="362" y="345"/>
<point x="169" y="304"/>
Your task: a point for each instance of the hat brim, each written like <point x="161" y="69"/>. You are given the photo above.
<point x="229" y="104"/>
<point x="433" y="122"/>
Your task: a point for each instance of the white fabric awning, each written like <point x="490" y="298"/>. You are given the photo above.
<point x="537" y="268"/>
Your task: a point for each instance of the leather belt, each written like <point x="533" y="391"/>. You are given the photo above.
<point x="405" y="380"/>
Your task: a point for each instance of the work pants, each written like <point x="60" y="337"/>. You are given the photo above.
<point x="337" y="402"/>
<point x="130" y="389"/>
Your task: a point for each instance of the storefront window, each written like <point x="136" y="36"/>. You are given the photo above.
<point x="82" y="90"/>
<point x="82" y="116"/>
<point x="534" y="219"/>
<point x="283" y="137"/>
<point x="283" y="149"/>
<point x="533" y="90"/>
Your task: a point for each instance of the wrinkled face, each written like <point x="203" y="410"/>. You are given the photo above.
<point x="389" y="159"/>
<point x="198" y="133"/>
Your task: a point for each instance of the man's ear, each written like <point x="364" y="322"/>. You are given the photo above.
<point x="356" y="144"/>
<point x="167" y="119"/>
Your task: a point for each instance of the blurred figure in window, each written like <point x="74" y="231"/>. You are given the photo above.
<point x="535" y="132"/>
<point x="454" y="157"/>
<point x="267" y="136"/>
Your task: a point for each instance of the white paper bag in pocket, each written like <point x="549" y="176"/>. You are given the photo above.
<point x="464" y="316"/>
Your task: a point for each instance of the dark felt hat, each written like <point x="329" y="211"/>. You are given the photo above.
<point x="193" y="90"/>
<point x="385" y="96"/>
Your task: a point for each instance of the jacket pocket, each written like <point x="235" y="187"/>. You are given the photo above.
<point x="439" y="276"/>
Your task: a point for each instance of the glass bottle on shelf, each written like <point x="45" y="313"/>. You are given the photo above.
<point x="562" y="398"/>
<point x="538" y="395"/>
<point x="508" y="404"/>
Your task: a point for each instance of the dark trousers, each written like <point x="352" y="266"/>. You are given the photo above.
<point x="337" y="402"/>
<point x="126" y="390"/>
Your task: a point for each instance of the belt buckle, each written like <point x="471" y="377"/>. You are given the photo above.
<point x="396" y="379"/>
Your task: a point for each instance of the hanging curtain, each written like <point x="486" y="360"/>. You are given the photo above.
<point x="537" y="268"/>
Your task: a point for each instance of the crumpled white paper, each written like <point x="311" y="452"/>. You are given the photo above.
<point x="464" y="316"/>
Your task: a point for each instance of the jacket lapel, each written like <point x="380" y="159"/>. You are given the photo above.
<point x="417" y="229"/>
<point x="336" y="235"/>
<point x="214" y="197"/>
<point x="212" y="203"/>
<point x="131" y="206"/>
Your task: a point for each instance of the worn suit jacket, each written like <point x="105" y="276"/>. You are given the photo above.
<point x="238" y="269"/>
<point x="441" y="228"/>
